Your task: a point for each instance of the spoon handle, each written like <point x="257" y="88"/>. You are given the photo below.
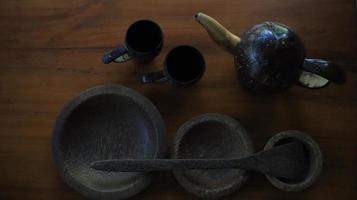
<point x="285" y="161"/>
<point x="146" y="165"/>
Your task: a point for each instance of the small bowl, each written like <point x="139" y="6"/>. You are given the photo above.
<point x="106" y="122"/>
<point x="314" y="156"/>
<point x="211" y="136"/>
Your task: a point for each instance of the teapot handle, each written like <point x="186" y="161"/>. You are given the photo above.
<point x="321" y="71"/>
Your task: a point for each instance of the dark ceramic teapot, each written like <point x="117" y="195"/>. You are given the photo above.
<point x="271" y="57"/>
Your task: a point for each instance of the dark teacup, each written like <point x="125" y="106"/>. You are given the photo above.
<point x="183" y="65"/>
<point x="143" y="42"/>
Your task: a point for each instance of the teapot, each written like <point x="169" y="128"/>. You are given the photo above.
<point x="270" y="57"/>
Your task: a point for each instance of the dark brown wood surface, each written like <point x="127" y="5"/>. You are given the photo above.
<point x="50" y="50"/>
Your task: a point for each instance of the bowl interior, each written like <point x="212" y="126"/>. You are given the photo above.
<point x="106" y="126"/>
<point x="307" y="155"/>
<point x="212" y="139"/>
<point x="312" y="153"/>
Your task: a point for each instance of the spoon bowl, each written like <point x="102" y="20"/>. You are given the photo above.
<point x="312" y="152"/>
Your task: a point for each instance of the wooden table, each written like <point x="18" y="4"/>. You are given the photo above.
<point x="51" y="50"/>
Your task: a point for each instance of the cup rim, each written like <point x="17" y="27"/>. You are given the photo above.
<point x="158" y="46"/>
<point x="198" y="77"/>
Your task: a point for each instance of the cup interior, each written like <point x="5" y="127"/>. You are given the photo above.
<point x="144" y="36"/>
<point x="185" y="64"/>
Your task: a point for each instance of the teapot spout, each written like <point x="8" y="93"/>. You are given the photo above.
<point x="218" y="33"/>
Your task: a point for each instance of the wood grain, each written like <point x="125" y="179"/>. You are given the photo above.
<point x="51" y="50"/>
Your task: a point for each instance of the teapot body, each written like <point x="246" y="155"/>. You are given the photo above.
<point x="269" y="57"/>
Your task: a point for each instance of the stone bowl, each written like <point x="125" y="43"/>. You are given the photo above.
<point x="211" y="136"/>
<point x="312" y="152"/>
<point x="106" y="122"/>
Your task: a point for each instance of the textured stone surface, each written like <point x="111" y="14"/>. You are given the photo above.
<point x="106" y="122"/>
<point x="211" y="136"/>
<point x="314" y="156"/>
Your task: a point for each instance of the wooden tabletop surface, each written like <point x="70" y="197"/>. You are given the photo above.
<point x="51" y="50"/>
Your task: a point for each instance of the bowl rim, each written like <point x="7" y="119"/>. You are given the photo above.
<point x="144" y="179"/>
<point x="195" y="188"/>
<point x="315" y="157"/>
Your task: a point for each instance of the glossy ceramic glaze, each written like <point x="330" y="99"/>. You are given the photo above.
<point x="184" y="65"/>
<point x="143" y="42"/>
<point x="270" y="57"/>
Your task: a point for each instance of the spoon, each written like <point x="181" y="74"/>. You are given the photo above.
<point x="283" y="161"/>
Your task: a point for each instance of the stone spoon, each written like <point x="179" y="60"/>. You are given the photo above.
<point x="283" y="161"/>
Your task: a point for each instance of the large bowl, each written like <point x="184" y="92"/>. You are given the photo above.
<point x="106" y="122"/>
